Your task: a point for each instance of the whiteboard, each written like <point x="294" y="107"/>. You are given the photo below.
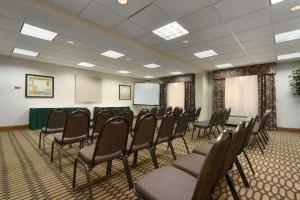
<point x="146" y="94"/>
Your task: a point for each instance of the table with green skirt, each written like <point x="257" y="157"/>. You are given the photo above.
<point x="99" y="109"/>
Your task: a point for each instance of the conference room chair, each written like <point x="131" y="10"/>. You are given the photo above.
<point x="88" y="112"/>
<point x="169" y="109"/>
<point x="153" y="111"/>
<point x="165" y="133"/>
<point x="128" y="115"/>
<point x="117" y="112"/>
<point x="177" y="112"/>
<point x="55" y="124"/>
<point x="99" y="121"/>
<point x="111" y="144"/>
<point x="160" y="113"/>
<point x="181" y="128"/>
<point x="76" y="130"/>
<point x="197" y="115"/>
<point x="142" y="138"/>
<point x="220" y="120"/>
<point x="206" y="125"/>
<point x="175" y="183"/>
<point x="142" y="112"/>
<point x="226" y="118"/>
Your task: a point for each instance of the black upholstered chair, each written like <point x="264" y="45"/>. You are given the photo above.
<point x="128" y="115"/>
<point x="181" y="128"/>
<point x="99" y="121"/>
<point x="153" y="111"/>
<point x="206" y="125"/>
<point x="161" y="112"/>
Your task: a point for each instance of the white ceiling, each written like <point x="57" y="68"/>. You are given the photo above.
<point x="240" y="31"/>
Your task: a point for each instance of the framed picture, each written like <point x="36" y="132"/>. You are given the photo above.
<point x="124" y="92"/>
<point x="39" y="86"/>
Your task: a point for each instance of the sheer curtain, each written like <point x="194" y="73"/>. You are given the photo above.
<point x="175" y="94"/>
<point x="241" y="95"/>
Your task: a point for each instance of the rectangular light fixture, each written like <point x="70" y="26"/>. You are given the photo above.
<point x="288" y="56"/>
<point x="226" y="65"/>
<point x="276" y="1"/>
<point x="287" y="36"/>
<point x="112" y="54"/>
<point x="176" y="73"/>
<point x="152" y="65"/>
<point x="25" y="52"/>
<point x="123" y="72"/>
<point x="206" y="54"/>
<point x="85" y="64"/>
<point x="37" y="32"/>
<point x="149" y="77"/>
<point x="170" y="31"/>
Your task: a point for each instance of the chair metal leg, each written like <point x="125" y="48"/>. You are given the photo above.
<point x="59" y="158"/>
<point x="257" y="142"/>
<point x="44" y="144"/>
<point x="172" y="150"/>
<point x="247" y="158"/>
<point x="135" y="157"/>
<point x="241" y="171"/>
<point x="154" y="160"/>
<point x="199" y="130"/>
<point x="231" y="186"/>
<point x="74" y="172"/>
<point x="212" y="131"/>
<point x="186" y="146"/>
<point x="193" y="132"/>
<point x="87" y="171"/>
<point x="207" y="135"/>
<point x="108" y="167"/>
<point x="127" y="171"/>
<point x="40" y="138"/>
<point x="266" y="133"/>
<point x="52" y="147"/>
<point x="263" y="144"/>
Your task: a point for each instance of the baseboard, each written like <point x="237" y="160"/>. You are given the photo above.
<point x="8" y="128"/>
<point x="296" y="130"/>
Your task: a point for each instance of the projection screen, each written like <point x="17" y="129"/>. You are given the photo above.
<point x="146" y="94"/>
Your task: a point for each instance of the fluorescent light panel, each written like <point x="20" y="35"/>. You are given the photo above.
<point x="85" y="64"/>
<point x="152" y="65"/>
<point x="206" y="54"/>
<point x="170" y="31"/>
<point x="149" y="77"/>
<point x="112" y="54"/>
<point x="37" y="32"/>
<point x="176" y="73"/>
<point x="226" y="65"/>
<point x="295" y="8"/>
<point x="25" y="52"/>
<point x="288" y="56"/>
<point x="123" y="72"/>
<point x="287" y="36"/>
<point x="276" y="1"/>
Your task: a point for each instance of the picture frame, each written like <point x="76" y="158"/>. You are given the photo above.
<point x="39" y="86"/>
<point x="124" y="92"/>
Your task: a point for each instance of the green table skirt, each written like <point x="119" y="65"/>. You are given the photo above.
<point x="98" y="109"/>
<point x="38" y="116"/>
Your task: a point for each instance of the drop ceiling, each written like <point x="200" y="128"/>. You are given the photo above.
<point x="240" y="31"/>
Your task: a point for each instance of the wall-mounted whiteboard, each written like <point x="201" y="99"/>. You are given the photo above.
<point x="146" y="94"/>
<point x="88" y="89"/>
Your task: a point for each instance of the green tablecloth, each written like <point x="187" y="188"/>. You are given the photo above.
<point x="98" y="109"/>
<point x="39" y="116"/>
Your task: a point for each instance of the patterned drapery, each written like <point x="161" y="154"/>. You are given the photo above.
<point x="189" y="97"/>
<point x="266" y="88"/>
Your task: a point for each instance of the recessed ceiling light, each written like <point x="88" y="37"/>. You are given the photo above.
<point x="288" y="56"/>
<point x="149" y="77"/>
<point x="122" y="2"/>
<point x="226" y="65"/>
<point x="50" y="57"/>
<point x="37" y="32"/>
<point x="276" y="1"/>
<point x="112" y="54"/>
<point x="25" y="52"/>
<point x="176" y="73"/>
<point x="170" y="31"/>
<point x="70" y="42"/>
<point x="128" y="59"/>
<point x="85" y="64"/>
<point x="185" y="41"/>
<point x="205" y="54"/>
<point x="287" y="36"/>
<point x="152" y="65"/>
<point x="295" y="8"/>
<point x="123" y="72"/>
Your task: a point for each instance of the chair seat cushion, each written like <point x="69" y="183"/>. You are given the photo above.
<point x="86" y="154"/>
<point x="190" y="163"/>
<point x="58" y="139"/>
<point x="160" y="140"/>
<point x="135" y="147"/>
<point x="203" y="149"/>
<point x="202" y="124"/>
<point x="166" y="183"/>
<point x="52" y="130"/>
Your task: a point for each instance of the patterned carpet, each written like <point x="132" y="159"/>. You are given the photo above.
<point x="26" y="173"/>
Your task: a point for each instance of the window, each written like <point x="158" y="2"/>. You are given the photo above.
<point x="175" y="94"/>
<point x="241" y="95"/>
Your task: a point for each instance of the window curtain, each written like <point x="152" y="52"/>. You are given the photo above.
<point x="267" y="98"/>
<point x="219" y="95"/>
<point x="189" y="100"/>
<point x="175" y="94"/>
<point x="163" y="95"/>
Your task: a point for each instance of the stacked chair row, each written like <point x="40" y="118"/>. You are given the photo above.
<point x="194" y="176"/>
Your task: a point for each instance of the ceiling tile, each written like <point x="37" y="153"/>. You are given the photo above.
<point x="130" y="29"/>
<point x="287" y="25"/>
<point x="74" y="6"/>
<point x="63" y="40"/>
<point x="255" y="33"/>
<point x="100" y="15"/>
<point x="259" y="42"/>
<point x="8" y="34"/>
<point x="150" y="39"/>
<point x="224" y="41"/>
<point x="32" y="41"/>
<point x="281" y="11"/>
<point x="10" y="24"/>
<point x="228" y="49"/>
<point x="212" y="33"/>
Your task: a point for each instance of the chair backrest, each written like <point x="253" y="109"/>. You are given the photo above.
<point x="140" y="115"/>
<point x="77" y="125"/>
<point x="128" y="115"/>
<point x="144" y="132"/>
<point x="227" y="115"/>
<point x="177" y="112"/>
<point x="213" y="166"/>
<point x="117" y="112"/>
<point x="161" y="112"/>
<point x="169" y="109"/>
<point x="100" y="119"/>
<point x="56" y="119"/>
<point x="153" y="111"/>
<point x="86" y="110"/>
<point x="192" y="113"/>
<point x="213" y="118"/>
<point x="247" y="134"/>
<point x="166" y="127"/>
<point x="182" y="124"/>
<point x="223" y="116"/>
<point x="112" y="139"/>
<point x="198" y="111"/>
